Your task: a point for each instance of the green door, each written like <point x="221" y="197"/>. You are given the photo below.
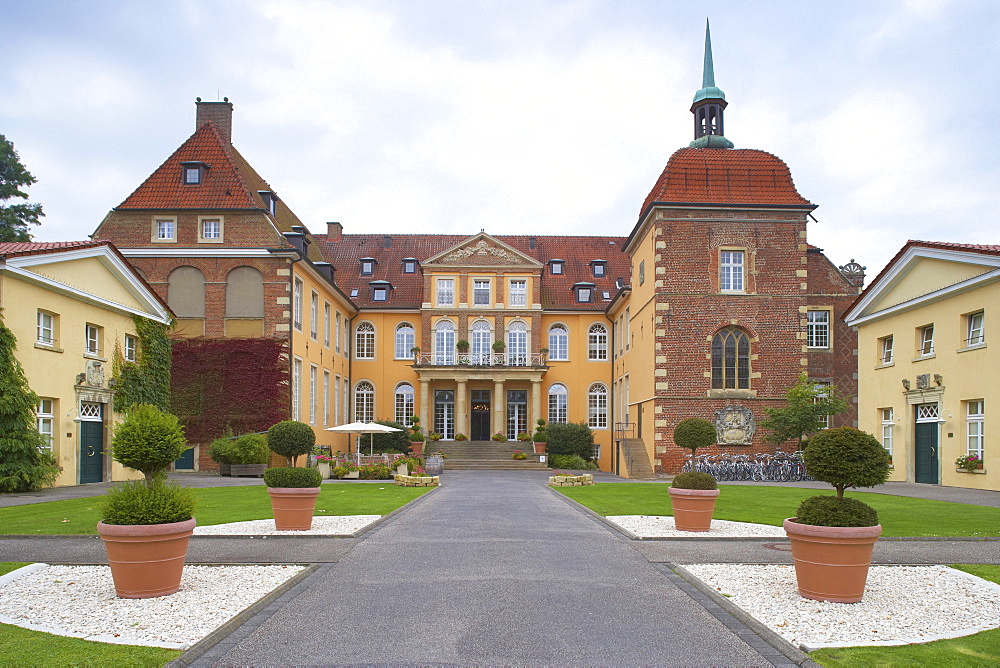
<point x="186" y="461"/>
<point x="91" y="452"/>
<point x="926" y="439"/>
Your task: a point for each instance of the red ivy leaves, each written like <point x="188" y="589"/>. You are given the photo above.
<point x="237" y="383"/>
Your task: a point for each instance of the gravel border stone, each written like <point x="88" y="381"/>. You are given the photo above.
<point x="339" y="526"/>
<point x="653" y="526"/>
<point x="902" y="604"/>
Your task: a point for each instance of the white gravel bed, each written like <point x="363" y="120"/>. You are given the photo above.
<point x="902" y="605"/>
<point x="651" y="526"/>
<point x="80" y="602"/>
<point x="322" y="525"/>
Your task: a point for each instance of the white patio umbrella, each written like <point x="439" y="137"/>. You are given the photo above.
<point x="363" y="428"/>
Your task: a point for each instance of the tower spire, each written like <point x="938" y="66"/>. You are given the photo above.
<point x="709" y="104"/>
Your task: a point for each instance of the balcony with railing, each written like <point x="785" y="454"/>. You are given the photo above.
<point x="480" y="359"/>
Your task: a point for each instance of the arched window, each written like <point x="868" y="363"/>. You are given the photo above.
<point x="597" y="406"/>
<point x="364" y="341"/>
<point x="597" y="342"/>
<point x="404" y="341"/>
<point x="444" y="342"/>
<point x="482" y="342"/>
<point x="186" y="292"/>
<point x="404" y="404"/>
<point x="364" y="402"/>
<point x="731" y="359"/>
<point x="244" y="293"/>
<point x="558" y="342"/>
<point x="517" y="344"/>
<point x="558" y="403"/>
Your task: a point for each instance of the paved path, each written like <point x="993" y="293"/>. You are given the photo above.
<point x="492" y="569"/>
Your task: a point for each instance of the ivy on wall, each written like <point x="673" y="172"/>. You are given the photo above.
<point x="221" y="384"/>
<point x="147" y="380"/>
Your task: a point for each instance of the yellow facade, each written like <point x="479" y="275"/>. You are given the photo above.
<point x="71" y="311"/>
<point x="925" y="358"/>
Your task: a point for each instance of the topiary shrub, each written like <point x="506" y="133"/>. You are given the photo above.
<point x="694" y="480"/>
<point x="830" y="511"/>
<point x="135" y="502"/>
<point x="694" y="433"/>
<point x="292" y="476"/>
<point x="291" y="439"/>
<point x="220" y="448"/>
<point x="249" y="449"/>
<point x="147" y="440"/>
<point x="846" y="457"/>
<point x="571" y="439"/>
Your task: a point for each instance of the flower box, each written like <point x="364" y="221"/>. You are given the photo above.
<point x="968" y="471"/>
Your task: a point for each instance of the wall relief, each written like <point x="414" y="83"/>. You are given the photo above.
<point x="735" y="425"/>
<point x="484" y="250"/>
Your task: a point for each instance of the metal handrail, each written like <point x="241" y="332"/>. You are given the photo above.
<point x="480" y="359"/>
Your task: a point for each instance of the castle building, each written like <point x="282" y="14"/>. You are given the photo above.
<point x="712" y="306"/>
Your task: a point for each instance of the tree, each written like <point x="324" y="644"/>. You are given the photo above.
<point x="24" y="465"/>
<point x="694" y="433"/>
<point x="15" y="218"/>
<point x="148" y="440"/>
<point x="808" y="404"/>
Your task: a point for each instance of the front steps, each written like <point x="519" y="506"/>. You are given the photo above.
<point x="485" y="455"/>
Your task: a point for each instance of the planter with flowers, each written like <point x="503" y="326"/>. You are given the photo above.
<point x="146" y="524"/>
<point x="461" y="437"/>
<point x="524" y="437"/>
<point x="832" y="537"/>
<point x="969" y="464"/>
<point x="693" y="494"/>
<point x="293" y="490"/>
<point x="541" y="437"/>
<point x="499" y="437"/>
<point x="519" y="455"/>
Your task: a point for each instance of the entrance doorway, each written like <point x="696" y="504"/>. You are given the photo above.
<point x="926" y="445"/>
<point x="91" y="442"/>
<point x="480" y="422"/>
<point x="517" y="413"/>
<point x="444" y="413"/>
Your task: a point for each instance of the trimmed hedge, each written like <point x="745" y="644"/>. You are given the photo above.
<point x="571" y="439"/>
<point x="135" y="502"/>
<point x="571" y="462"/>
<point x="694" y="480"/>
<point x="829" y="511"/>
<point x="292" y="476"/>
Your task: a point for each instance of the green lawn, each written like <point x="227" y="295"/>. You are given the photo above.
<point x="981" y="649"/>
<point x="898" y="515"/>
<point x="215" y="505"/>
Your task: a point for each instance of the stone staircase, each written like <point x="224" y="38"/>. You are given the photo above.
<point x="486" y="455"/>
<point x="635" y="458"/>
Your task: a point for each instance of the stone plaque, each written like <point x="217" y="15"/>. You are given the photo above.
<point x="924" y="381"/>
<point x="735" y="425"/>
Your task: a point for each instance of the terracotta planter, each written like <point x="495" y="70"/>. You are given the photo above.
<point x="539" y="448"/>
<point x="293" y="507"/>
<point x="146" y="560"/>
<point x="831" y="563"/>
<point x="693" y="508"/>
<point x="416" y="447"/>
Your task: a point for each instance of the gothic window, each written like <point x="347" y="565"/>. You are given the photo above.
<point x="731" y="359"/>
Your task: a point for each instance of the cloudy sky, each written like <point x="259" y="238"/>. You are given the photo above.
<point x="516" y="116"/>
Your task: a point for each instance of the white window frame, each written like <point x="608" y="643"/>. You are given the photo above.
<point x="313" y="378"/>
<point x="364" y="402"/>
<point x="731" y="270"/>
<point x="210" y="229"/>
<point x="380" y="294"/>
<point x="482" y="343"/>
<point x="296" y="388"/>
<point x="46" y="329"/>
<point x="445" y="292"/>
<point x="517" y="343"/>
<point x="404" y="403"/>
<point x="482" y="292"/>
<point x="556" y="268"/>
<point x="336" y="339"/>
<point x="364" y="341"/>
<point x="885" y="354"/>
<point x="131" y="348"/>
<point x="336" y="399"/>
<point x="818" y="328"/>
<point x="597" y="343"/>
<point x="326" y="324"/>
<point x="597" y="406"/>
<point x="297" y="289"/>
<point x="558" y="343"/>
<point x="405" y="341"/>
<point x="975" y="332"/>
<point x="926" y="341"/>
<point x="518" y="292"/>
<point x="92" y="339"/>
<point x="326" y="398"/>
<point x="887" y="428"/>
<point x="46" y="422"/>
<point x="444" y="342"/>
<point x="975" y="422"/>
<point x="823" y="392"/>
<point x="314" y="315"/>
<point x="558" y="396"/>
<point x="164" y="230"/>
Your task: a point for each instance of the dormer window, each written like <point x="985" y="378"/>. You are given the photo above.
<point x="193" y="172"/>
<point x="556" y="266"/>
<point x="599" y="268"/>
<point x="584" y="293"/>
<point x="367" y="266"/>
<point x="409" y="265"/>
<point x="270" y="200"/>
<point x="380" y="290"/>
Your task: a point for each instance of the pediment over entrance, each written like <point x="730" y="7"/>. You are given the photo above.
<point x="482" y="250"/>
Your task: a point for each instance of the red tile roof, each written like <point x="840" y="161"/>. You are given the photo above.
<point x="16" y="248"/>
<point x="727" y="177"/>
<point x="224" y="185"/>
<point x="556" y="291"/>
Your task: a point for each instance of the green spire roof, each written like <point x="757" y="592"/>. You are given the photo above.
<point x="708" y="87"/>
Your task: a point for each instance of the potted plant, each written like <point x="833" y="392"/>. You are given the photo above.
<point x="293" y="490"/>
<point x="434" y="436"/>
<point x="499" y="437"/>
<point x="324" y="464"/>
<point x="832" y="537"/>
<point x="415" y="437"/>
<point x="248" y="455"/>
<point x="346" y="469"/>
<point x="461" y="437"/>
<point x="693" y="494"/>
<point x="415" y="352"/>
<point x="524" y="437"/>
<point x="462" y="346"/>
<point x="146" y="524"/>
<point x="541" y="437"/>
<point x="218" y="451"/>
<point x="498" y="348"/>
<point x="968" y="462"/>
<point x="519" y="455"/>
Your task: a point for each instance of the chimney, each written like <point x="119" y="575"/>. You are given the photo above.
<point x="220" y="113"/>
<point x="387" y="241"/>
<point x="334" y="231"/>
